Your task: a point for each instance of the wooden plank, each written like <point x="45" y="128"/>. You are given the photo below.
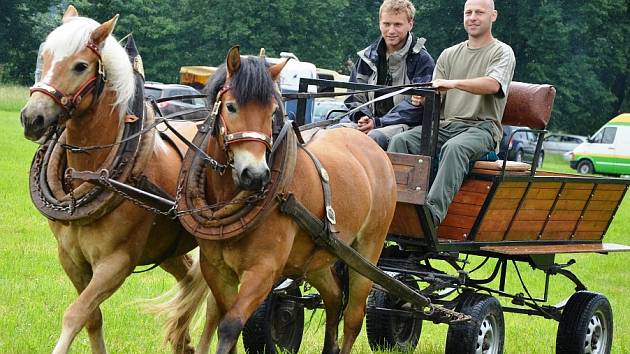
<point x="532" y="215"/>
<point x="493" y="224"/>
<point x="452" y="233"/>
<point x="607" y="195"/>
<point x="601" y="205"/>
<point x="565" y="215"/>
<point x="509" y="193"/>
<point x="592" y="215"/>
<point x="588" y="235"/>
<point x="475" y="185"/>
<point x="610" y="187"/>
<point x="555" y="249"/>
<point x="592" y="226"/>
<point x="459" y="221"/>
<point x="529" y="226"/>
<point x="412" y="177"/>
<point x="503" y="204"/>
<point x="564" y="226"/>
<point x="556" y="235"/>
<point x="577" y="185"/>
<point x="522" y="235"/>
<point x="489" y="236"/>
<point x="467" y="197"/>
<point x="570" y="205"/>
<point x="543" y="193"/>
<point x="576" y="194"/>
<point x="537" y="204"/>
<point x="463" y="209"/>
<point x="546" y="185"/>
<point x="406" y="221"/>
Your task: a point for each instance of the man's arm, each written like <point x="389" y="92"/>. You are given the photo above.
<point x="479" y="86"/>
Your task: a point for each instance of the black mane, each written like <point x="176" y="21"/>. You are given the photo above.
<point x="251" y="83"/>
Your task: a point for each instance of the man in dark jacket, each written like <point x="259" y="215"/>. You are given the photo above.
<point x="396" y="58"/>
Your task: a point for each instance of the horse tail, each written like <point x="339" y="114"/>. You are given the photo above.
<point x="180" y="304"/>
<point x="340" y="269"/>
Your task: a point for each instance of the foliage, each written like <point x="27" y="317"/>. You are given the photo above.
<point x="581" y="48"/>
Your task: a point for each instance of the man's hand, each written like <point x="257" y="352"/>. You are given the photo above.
<point x="365" y="124"/>
<point x="444" y="85"/>
<point x="417" y="100"/>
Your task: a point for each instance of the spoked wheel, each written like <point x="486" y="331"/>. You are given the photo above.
<point x="484" y="333"/>
<point x="276" y="326"/>
<point x="396" y="330"/>
<point x="586" y="325"/>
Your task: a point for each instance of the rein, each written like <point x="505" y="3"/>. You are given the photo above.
<point x="70" y="102"/>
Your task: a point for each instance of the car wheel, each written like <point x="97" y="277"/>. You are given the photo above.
<point x="484" y="333"/>
<point x="519" y="156"/>
<point x="586" y="325"/>
<point x="585" y="167"/>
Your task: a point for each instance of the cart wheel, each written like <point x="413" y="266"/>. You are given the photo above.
<point x="276" y="326"/>
<point x="586" y="325"/>
<point x="484" y="333"/>
<point x="391" y="331"/>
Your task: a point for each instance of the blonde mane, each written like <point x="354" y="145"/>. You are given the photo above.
<point x="73" y="35"/>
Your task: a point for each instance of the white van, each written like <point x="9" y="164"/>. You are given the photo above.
<point x="607" y="151"/>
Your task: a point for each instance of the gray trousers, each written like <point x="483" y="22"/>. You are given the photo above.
<point x="458" y="144"/>
<point x="382" y="135"/>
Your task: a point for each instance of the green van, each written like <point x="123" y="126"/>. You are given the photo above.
<point x="607" y="151"/>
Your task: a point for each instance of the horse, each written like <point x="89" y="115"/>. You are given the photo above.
<point x="242" y="269"/>
<point x="99" y="250"/>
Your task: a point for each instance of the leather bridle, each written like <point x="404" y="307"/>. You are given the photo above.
<point x="70" y="102"/>
<point x="238" y="137"/>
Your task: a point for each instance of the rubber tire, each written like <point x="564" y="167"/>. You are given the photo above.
<point x="585" y="163"/>
<point x="518" y="156"/>
<point x="573" y="329"/>
<point x="388" y="331"/>
<point x="462" y="337"/>
<point x="259" y="334"/>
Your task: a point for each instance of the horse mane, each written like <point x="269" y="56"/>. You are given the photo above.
<point x="252" y="82"/>
<point x="73" y="36"/>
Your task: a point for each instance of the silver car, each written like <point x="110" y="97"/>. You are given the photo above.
<point x="562" y="143"/>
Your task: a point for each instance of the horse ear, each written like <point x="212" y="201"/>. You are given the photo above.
<point x="101" y="33"/>
<point x="275" y="70"/>
<point x="71" y="12"/>
<point x="233" y="60"/>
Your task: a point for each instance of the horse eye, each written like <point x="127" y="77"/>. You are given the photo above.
<point x="80" y="67"/>
<point x="231" y="107"/>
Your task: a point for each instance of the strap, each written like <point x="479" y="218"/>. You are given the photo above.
<point x="214" y="164"/>
<point x="331" y="219"/>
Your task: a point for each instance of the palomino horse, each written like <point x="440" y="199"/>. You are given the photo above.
<point x="363" y="189"/>
<point x="100" y="251"/>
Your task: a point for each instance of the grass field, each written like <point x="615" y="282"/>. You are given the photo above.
<point x="34" y="291"/>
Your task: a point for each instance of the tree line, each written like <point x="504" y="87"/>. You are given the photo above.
<point x="580" y="47"/>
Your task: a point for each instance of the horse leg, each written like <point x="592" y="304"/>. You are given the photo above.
<point x="327" y="286"/>
<point x="80" y="275"/>
<point x="224" y="286"/>
<point x="359" y="290"/>
<point x="178" y="267"/>
<point x="212" y="320"/>
<point x="256" y="283"/>
<point x="108" y="275"/>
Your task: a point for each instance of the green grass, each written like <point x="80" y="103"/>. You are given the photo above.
<point x="13" y="98"/>
<point x="34" y="291"/>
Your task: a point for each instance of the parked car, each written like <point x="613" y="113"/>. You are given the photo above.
<point x="322" y="108"/>
<point x="156" y="90"/>
<point x="607" y="151"/>
<point x="561" y="143"/>
<point x="521" y="147"/>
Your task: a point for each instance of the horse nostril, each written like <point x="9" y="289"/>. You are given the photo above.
<point x="39" y="121"/>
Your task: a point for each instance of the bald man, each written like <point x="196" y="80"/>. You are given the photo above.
<point x="474" y="77"/>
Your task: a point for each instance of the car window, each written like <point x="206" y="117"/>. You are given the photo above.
<point x="572" y="140"/>
<point x="609" y="135"/>
<point x="553" y="138"/>
<point x="152" y="92"/>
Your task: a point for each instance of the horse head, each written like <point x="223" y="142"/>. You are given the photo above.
<point x="74" y="57"/>
<point x="247" y="108"/>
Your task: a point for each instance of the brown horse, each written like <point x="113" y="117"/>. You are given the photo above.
<point x="100" y="251"/>
<point x="363" y="196"/>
